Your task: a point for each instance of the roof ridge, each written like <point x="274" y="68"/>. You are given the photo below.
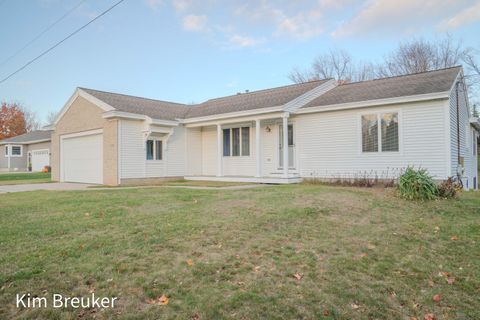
<point x="403" y="75"/>
<point x="267" y="89"/>
<point x="138" y="97"/>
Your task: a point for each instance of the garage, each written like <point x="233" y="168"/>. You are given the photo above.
<point x="40" y="159"/>
<point x="82" y="158"/>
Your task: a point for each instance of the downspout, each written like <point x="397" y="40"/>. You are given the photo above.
<point x="458" y="126"/>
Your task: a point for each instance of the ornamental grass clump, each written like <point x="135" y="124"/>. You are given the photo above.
<point x="417" y="185"/>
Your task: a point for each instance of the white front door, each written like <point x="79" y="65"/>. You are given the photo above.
<point x="291" y="146"/>
<point x="40" y="159"/>
<point x="82" y="159"/>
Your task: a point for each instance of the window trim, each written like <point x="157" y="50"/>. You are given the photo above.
<point x="154" y="150"/>
<point x="239" y="127"/>
<point x="10" y="151"/>
<point x="378" y="113"/>
<point x="6" y="151"/>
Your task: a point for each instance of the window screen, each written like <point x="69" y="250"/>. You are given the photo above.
<point x="245" y="141"/>
<point x="390" y="132"/>
<point x="369" y="133"/>
<point x="158" y="150"/>
<point x="149" y="149"/>
<point x="226" y="142"/>
<point x="16" y="151"/>
<point x="235" y="142"/>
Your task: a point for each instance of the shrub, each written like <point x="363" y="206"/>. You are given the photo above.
<point x="417" y="185"/>
<point x="449" y="188"/>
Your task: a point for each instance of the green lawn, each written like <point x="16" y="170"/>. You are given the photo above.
<point x="220" y="254"/>
<point x="24" y="178"/>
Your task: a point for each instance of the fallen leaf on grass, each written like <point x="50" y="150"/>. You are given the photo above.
<point x="450" y="280"/>
<point x="454" y="238"/>
<point x="87" y="214"/>
<point x="298" y="276"/>
<point x="429" y="316"/>
<point x="437" y="298"/>
<point x="163" y="300"/>
<point x="355" y="306"/>
<point x="256" y="268"/>
<point x="443" y="274"/>
<point x="326" y="313"/>
<point x="437" y="229"/>
<point x="431" y="283"/>
<point x="190" y="262"/>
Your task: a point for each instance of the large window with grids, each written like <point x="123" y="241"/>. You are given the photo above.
<point x="236" y="142"/>
<point x="380" y="132"/>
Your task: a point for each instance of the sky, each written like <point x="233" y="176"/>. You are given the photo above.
<point x="188" y="51"/>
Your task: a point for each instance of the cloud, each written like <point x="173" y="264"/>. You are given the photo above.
<point x="243" y="41"/>
<point x="195" y="23"/>
<point x="154" y="4"/>
<point x="406" y="16"/>
<point x="467" y="16"/>
<point x="288" y="20"/>
<point x="182" y="5"/>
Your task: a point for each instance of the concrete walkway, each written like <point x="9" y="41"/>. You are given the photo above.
<point x="54" y="186"/>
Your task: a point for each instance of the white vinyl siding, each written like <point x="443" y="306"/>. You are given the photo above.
<point x="209" y="151"/>
<point x="132" y="151"/>
<point x="329" y="143"/>
<point x="193" y="151"/>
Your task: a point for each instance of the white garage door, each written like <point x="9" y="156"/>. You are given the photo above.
<point x="82" y="159"/>
<point x="40" y="159"/>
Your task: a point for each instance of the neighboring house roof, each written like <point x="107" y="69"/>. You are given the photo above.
<point x="274" y="97"/>
<point x="393" y="87"/>
<point x="384" y="88"/>
<point x="156" y="109"/>
<point x="29" y="137"/>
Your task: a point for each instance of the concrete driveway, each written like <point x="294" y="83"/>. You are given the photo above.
<point x="60" y="186"/>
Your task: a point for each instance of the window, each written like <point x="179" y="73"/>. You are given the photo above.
<point x="6" y="150"/>
<point x="236" y="142"/>
<point x="154" y="149"/>
<point x="390" y="132"/>
<point x="226" y="142"/>
<point x="149" y="149"/>
<point x="16" y="150"/>
<point x="245" y="141"/>
<point x="385" y="126"/>
<point x="158" y="150"/>
<point x="369" y="133"/>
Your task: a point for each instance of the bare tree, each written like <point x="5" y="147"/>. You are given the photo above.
<point x="31" y="120"/>
<point x="51" y="117"/>
<point x="420" y="55"/>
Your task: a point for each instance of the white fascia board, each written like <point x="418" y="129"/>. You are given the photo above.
<point x="80" y="93"/>
<point x="231" y="115"/>
<point x="237" y="120"/>
<point x="376" y="103"/>
<point x="309" y="96"/>
<point x="135" y="116"/>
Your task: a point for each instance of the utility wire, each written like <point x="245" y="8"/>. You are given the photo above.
<point x="41" y="33"/>
<point x="60" y="42"/>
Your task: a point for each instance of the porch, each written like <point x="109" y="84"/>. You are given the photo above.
<point x="243" y="150"/>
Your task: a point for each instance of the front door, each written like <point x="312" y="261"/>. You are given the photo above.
<point x="291" y="146"/>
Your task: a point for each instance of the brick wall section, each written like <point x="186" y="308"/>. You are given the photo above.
<point x="84" y="116"/>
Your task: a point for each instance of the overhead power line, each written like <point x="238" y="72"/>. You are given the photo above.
<point x="60" y="42"/>
<point x="38" y="36"/>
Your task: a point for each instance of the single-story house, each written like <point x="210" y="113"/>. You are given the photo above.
<point x="333" y="130"/>
<point x="26" y="152"/>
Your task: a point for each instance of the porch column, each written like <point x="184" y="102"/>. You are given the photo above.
<point x="219" y="151"/>
<point x="258" y="148"/>
<point x="285" y="144"/>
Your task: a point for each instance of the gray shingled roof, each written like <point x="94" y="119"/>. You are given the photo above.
<point x="408" y="85"/>
<point x="253" y="100"/>
<point x="29" y="137"/>
<point x="156" y="109"/>
<point x="413" y="84"/>
<point x="170" y="111"/>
